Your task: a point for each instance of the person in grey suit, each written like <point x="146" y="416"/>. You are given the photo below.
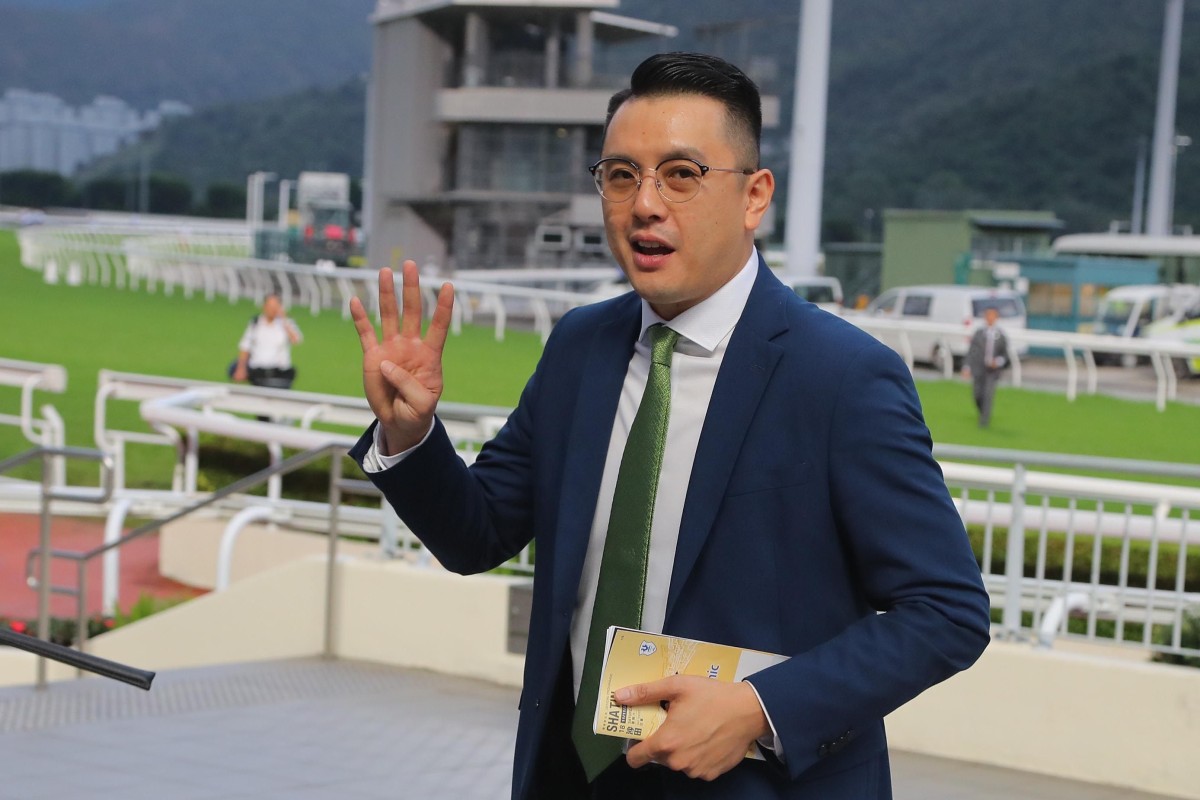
<point x="987" y="358"/>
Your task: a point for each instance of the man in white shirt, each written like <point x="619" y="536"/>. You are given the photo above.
<point x="265" y="349"/>
<point x="792" y="491"/>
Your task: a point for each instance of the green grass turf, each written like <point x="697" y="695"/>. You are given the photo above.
<point x="86" y="328"/>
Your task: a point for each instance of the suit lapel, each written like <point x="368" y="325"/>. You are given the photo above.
<point x="603" y="374"/>
<point x="745" y="372"/>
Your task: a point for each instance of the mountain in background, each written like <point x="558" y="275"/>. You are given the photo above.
<point x="1035" y="104"/>
<point x="202" y="52"/>
<point x="1030" y="104"/>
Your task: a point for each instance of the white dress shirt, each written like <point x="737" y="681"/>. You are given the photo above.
<point x="704" y="333"/>
<point x="269" y="343"/>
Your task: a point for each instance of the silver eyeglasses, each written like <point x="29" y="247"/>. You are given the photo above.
<point x="677" y="179"/>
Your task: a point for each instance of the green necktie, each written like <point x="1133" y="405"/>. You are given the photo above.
<point x="621" y="587"/>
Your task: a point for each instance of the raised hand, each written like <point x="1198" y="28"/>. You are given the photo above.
<point x="402" y="372"/>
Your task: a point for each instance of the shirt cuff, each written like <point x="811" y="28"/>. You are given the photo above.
<point x="375" y="461"/>
<point x="771" y="741"/>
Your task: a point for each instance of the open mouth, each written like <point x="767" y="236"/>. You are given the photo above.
<point x="652" y="248"/>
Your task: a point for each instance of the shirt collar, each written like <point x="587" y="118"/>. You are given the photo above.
<point x="708" y="322"/>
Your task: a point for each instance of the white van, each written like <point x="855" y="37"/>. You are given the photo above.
<point x="947" y="304"/>
<point x="823" y="290"/>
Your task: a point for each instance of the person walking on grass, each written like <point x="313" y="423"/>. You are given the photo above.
<point x="987" y="358"/>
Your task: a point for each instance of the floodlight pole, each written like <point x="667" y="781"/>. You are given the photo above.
<point x="806" y="165"/>
<point x="1158" y="212"/>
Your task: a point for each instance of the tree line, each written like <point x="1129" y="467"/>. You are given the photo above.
<point x="159" y="193"/>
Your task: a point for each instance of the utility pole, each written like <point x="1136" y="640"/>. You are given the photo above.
<point x="1136" y="221"/>
<point x="1158" y="211"/>
<point x="144" y="175"/>
<point x="806" y="165"/>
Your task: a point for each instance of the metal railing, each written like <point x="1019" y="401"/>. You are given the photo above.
<point x="1046" y="510"/>
<point x="52" y="492"/>
<point x="48" y="428"/>
<point x="1030" y="508"/>
<point x="337" y="487"/>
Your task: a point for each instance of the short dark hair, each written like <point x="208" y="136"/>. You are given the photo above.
<point x="666" y="74"/>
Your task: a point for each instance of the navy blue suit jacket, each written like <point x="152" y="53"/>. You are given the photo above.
<point x="814" y="503"/>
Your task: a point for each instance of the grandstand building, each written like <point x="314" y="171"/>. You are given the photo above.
<point x="481" y="122"/>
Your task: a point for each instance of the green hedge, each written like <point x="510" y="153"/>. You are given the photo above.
<point x="1081" y="564"/>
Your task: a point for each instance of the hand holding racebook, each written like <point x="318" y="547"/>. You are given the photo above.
<point x="632" y="656"/>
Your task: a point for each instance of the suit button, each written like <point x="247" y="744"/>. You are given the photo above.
<point x="823" y="750"/>
<point x="537" y="703"/>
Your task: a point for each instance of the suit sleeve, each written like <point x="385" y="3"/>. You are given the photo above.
<point x="910" y="556"/>
<point x="471" y="518"/>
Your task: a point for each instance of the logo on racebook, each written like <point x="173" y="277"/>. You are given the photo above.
<point x="647" y="648"/>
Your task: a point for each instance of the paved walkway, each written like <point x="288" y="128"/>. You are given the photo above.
<point x="308" y="729"/>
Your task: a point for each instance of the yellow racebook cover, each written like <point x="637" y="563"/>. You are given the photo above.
<point x="632" y="656"/>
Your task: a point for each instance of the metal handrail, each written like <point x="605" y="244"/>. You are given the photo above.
<point x="52" y="492"/>
<point x="1021" y="483"/>
<point x="337" y="486"/>
<point x="1130" y="466"/>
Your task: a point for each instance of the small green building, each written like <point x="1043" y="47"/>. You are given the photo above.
<point x="925" y="246"/>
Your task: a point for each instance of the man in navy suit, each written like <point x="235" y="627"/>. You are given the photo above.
<point x="798" y="508"/>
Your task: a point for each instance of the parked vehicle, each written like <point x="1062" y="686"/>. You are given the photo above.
<point x="1183" y="325"/>
<point x="823" y="290"/>
<point x="948" y="304"/>
<point x="1128" y="310"/>
<point x="320" y="228"/>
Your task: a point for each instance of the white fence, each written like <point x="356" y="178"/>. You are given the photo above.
<point x="1076" y="348"/>
<point x="215" y="263"/>
<point x="204" y="260"/>
<point x="43" y="425"/>
<point x="1088" y="519"/>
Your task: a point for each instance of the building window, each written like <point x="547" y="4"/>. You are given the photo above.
<point x="1050" y="299"/>
<point x="520" y="158"/>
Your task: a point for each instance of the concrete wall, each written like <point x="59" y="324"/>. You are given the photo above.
<point x="1088" y="718"/>
<point x="405" y="143"/>
<point x="187" y="550"/>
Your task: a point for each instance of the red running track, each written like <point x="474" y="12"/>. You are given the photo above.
<point x="139" y="567"/>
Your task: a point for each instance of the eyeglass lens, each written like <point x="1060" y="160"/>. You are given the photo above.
<point x="677" y="180"/>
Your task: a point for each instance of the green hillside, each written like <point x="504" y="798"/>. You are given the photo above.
<point x="935" y="104"/>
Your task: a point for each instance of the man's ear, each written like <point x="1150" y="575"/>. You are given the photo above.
<point x="760" y="188"/>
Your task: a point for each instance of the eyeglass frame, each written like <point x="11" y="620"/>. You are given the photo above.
<point x="704" y="170"/>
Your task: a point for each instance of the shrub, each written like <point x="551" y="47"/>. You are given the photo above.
<point x="1189" y="637"/>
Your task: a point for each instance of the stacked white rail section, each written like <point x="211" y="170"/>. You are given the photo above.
<point x="41" y="426"/>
